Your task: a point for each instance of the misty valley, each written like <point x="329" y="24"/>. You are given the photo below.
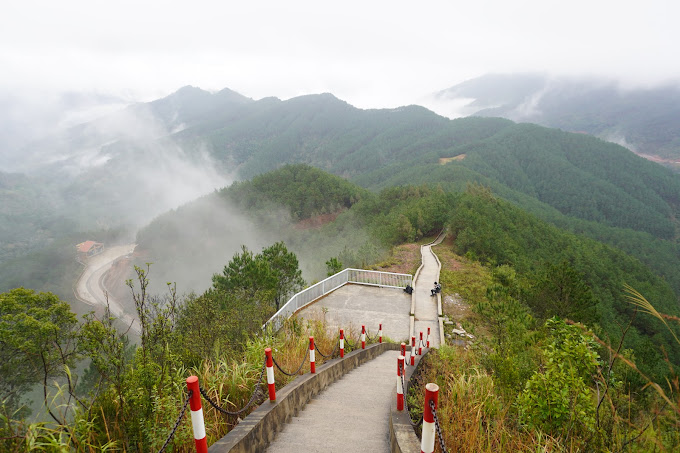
<point x="153" y="242"/>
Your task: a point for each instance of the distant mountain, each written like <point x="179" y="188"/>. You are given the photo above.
<point x="151" y="157"/>
<point x="645" y="120"/>
<point x="132" y="166"/>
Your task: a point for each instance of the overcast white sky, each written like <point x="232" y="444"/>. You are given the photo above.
<point x="369" y="53"/>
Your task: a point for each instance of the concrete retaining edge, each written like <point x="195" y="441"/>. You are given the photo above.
<point x="403" y="438"/>
<point x="415" y="278"/>
<point x="440" y="312"/>
<point x="442" y="337"/>
<point x="259" y="428"/>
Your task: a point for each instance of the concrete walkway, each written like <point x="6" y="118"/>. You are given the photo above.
<point x="353" y="305"/>
<point x="426" y="305"/>
<point x="352" y="415"/>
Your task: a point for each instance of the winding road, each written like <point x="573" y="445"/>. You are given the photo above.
<point x="90" y="288"/>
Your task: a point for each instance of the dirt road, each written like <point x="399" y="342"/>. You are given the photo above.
<point x="90" y="287"/>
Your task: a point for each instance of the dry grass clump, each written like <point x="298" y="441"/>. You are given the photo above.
<point x="473" y="416"/>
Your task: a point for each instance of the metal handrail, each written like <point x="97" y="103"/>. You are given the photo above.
<point x="330" y="284"/>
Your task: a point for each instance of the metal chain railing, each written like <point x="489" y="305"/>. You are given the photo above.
<point x="349" y="344"/>
<point x="372" y="340"/>
<point x="297" y="371"/>
<point x="256" y="392"/>
<point x="438" y="427"/>
<point x="179" y="420"/>
<point x="405" y="390"/>
<point x="335" y="351"/>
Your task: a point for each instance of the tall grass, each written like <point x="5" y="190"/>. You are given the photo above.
<point x="478" y="416"/>
<point x="232" y="381"/>
<point x="473" y="416"/>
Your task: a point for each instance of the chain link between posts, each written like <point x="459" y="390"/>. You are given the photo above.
<point x="251" y="401"/>
<point x="299" y="368"/>
<point x="438" y="427"/>
<point x="179" y="420"/>
<point x="337" y="348"/>
<point x="257" y="390"/>
<point x="372" y="340"/>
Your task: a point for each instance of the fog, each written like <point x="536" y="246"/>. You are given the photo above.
<point x="374" y="55"/>
<point x="126" y="167"/>
<point x="191" y="243"/>
<point x="123" y="168"/>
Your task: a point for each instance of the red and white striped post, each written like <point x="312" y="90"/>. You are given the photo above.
<point x="428" y="337"/>
<point x="427" y="442"/>
<point x="342" y="343"/>
<point x="197" y="422"/>
<point x="403" y="349"/>
<point x="270" y="374"/>
<point x="380" y="334"/>
<point x="312" y="364"/>
<point x="363" y="337"/>
<point x="420" y="344"/>
<point x="400" y="388"/>
<point x="413" y="351"/>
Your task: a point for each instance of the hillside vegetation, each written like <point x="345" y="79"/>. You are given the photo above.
<point x="484" y="226"/>
<point x="535" y="272"/>
<point x="557" y="223"/>
<point x="574" y="181"/>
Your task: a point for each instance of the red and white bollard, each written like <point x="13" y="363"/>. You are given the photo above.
<point x="427" y="442"/>
<point x="363" y="337"/>
<point x="197" y="422"/>
<point x="420" y="344"/>
<point x="380" y="334"/>
<point x="428" y="337"/>
<point x="413" y="351"/>
<point x="403" y="349"/>
<point x="270" y="374"/>
<point x="342" y="343"/>
<point x="312" y="365"/>
<point x="400" y="388"/>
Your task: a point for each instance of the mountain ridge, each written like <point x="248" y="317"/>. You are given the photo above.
<point x="644" y="119"/>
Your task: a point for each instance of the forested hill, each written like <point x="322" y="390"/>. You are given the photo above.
<point x="579" y="175"/>
<point x="572" y="180"/>
<point x="192" y="242"/>
<point x="560" y="273"/>
<point x="328" y="133"/>
<point x="646" y="118"/>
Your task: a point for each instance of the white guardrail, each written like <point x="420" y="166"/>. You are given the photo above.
<point x="314" y="292"/>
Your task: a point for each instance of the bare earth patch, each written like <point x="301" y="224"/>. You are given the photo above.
<point x="449" y="260"/>
<point x="446" y="160"/>
<point x="405" y="259"/>
<point x="317" y="221"/>
<point x="455" y="307"/>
